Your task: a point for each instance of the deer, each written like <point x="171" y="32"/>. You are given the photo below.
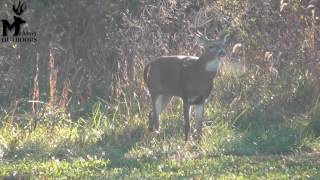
<point x="186" y="77"/>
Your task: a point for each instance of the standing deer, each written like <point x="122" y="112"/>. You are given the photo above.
<point x="188" y="77"/>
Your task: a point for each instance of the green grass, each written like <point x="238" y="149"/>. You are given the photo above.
<point x="301" y="166"/>
<point x="94" y="149"/>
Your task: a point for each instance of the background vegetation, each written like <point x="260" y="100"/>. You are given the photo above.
<point x="74" y="104"/>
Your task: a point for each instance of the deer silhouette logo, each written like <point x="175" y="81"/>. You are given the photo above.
<point x="18" y="21"/>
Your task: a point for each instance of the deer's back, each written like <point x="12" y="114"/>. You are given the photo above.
<point x="164" y="75"/>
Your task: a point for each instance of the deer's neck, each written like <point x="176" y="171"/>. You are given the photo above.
<point x="212" y="66"/>
<point x="211" y="63"/>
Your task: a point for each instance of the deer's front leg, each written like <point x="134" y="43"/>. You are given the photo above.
<point x="186" y="114"/>
<point x="198" y="109"/>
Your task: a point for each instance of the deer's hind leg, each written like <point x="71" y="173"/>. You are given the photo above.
<point x="159" y="103"/>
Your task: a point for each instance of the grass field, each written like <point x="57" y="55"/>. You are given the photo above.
<point x="103" y="149"/>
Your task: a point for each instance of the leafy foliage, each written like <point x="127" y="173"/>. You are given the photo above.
<point x="262" y="120"/>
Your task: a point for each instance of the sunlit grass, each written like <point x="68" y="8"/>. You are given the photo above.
<point x="98" y="151"/>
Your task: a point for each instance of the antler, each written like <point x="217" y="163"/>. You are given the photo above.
<point x="202" y="18"/>
<point x="20" y="9"/>
<point x="201" y="39"/>
<point x="201" y="36"/>
<point x="223" y="36"/>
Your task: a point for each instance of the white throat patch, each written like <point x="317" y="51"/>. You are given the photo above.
<point x="212" y="66"/>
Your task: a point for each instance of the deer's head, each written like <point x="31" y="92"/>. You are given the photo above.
<point x="214" y="49"/>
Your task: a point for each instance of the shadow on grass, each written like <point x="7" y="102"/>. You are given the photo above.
<point x="102" y="146"/>
<point x="269" y="139"/>
<point x="121" y="144"/>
